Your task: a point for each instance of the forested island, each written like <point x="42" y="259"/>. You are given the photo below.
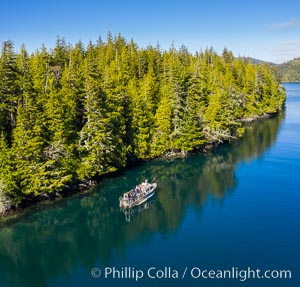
<point x="70" y="114"/>
<point x="289" y="71"/>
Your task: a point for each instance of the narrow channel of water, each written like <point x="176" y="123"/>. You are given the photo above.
<point x="237" y="206"/>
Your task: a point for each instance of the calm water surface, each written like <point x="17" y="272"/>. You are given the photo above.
<point x="237" y="206"/>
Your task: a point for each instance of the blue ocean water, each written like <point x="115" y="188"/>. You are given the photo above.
<point x="235" y="207"/>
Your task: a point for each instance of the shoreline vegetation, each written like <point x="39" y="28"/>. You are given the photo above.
<point x="289" y="72"/>
<point x="71" y="115"/>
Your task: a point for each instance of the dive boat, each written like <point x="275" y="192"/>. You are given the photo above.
<point x="138" y="195"/>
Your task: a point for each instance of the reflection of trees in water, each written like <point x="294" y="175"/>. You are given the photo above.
<point x="80" y="231"/>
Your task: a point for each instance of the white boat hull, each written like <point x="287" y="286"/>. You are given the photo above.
<point x="147" y="191"/>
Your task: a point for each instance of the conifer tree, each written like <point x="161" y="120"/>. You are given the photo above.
<point x="9" y="88"/>
<point x="8" y="189"/>
<point x="100" y="140"/>
<point x="196" y="104"/>
<point x="162" y="124"/>
<point x="142" y="114"/>
<point x="72" y="113"/>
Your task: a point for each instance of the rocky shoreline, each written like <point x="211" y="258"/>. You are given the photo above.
<point x="85" y="186"/>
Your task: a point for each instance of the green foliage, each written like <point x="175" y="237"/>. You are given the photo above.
<point x="289" y="71"/>
<point x="72" y="113"/>
<point x="9" y="88"/>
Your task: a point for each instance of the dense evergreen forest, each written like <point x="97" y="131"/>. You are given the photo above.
<point x="97" y="222"/>
<point x="71" y="113"/>
<point x="289" y="71"/>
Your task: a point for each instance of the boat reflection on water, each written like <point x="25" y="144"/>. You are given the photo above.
<point x="132" y="212"/>
<point x="89" y="230"/>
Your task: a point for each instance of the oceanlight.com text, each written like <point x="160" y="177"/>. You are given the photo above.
<point x="197" y="273"/>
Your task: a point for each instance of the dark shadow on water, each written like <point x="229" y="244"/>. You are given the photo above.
<point x="87" y="230"/>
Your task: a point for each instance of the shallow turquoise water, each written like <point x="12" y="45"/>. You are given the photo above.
<point x="237" y="206"/>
